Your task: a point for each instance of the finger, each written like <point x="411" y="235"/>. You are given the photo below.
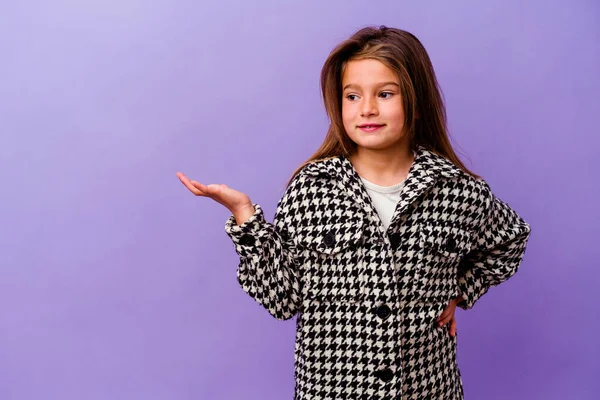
<point x="181" y="176"/>
<point x="214" y="191"/>
<point x="211" y="190"/>
<point x="444" y="315"/>
<point x="453" y="327"/>
<point x="445" y="321"/>
<point x="199" y="186"/>
<point x="186" y="182"/>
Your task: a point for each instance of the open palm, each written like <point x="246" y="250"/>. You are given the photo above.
<point x="233" y="200"/>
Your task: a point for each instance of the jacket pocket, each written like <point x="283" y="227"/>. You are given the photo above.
<point x="442" y="247"/>
<point x="332" y="265"/>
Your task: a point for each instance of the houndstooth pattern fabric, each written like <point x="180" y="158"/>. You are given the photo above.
<point x="366" y="298"/>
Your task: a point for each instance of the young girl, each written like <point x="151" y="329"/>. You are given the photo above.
<point x="379" y="236"/>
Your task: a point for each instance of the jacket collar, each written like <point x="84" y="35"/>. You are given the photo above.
<point x="426" y="169"/>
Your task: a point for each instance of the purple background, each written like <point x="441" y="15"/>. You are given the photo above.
<point x="117" y="283"/>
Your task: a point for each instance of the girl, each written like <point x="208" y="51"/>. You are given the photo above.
<point x="379" y="236"/>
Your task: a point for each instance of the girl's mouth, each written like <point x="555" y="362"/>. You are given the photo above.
<point x="370" y="127"/>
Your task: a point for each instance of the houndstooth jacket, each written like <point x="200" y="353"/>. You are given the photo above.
<point x="367" y="299"/>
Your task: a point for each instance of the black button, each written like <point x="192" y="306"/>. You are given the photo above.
<point x="395" y="241"/>
<point x="451" y="244"/>
<point x="383" y="311"/>
<point x="385" y="375"/>
<point x="329" y="240"/>
<point x="284" y="235"/>
<point x="246" y="240"/>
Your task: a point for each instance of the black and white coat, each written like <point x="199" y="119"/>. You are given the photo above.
<point x="367" y="299"/>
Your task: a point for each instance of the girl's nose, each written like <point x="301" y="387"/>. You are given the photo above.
<point x="369" y="107"/>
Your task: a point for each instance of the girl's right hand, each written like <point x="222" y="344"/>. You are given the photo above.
<point x="237" y="202"/>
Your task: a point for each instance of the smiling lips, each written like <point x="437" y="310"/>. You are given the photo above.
<point x="370" y="127"/>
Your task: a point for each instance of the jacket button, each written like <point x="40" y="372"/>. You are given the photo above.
<point x="284" y="235"/>
<point x="385" y="375"/>
<point x="395" y="241"/>
<point x="383" y="311"/>
<point x="329" y="240"/>
<point x="451" y="244"/>
<point x="246" y="240"/>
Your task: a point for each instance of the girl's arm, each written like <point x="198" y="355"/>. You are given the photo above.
<point x="500" y="242"/>
<point x="269" y="263"/>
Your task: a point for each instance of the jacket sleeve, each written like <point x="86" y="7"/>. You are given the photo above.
<point x="500" y="241"/>
<point x="268" y="268"/>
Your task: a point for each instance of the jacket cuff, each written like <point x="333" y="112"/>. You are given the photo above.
<point x="249" y="237"/>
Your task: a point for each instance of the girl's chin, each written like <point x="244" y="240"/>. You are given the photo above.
<point x="376" y="143"/>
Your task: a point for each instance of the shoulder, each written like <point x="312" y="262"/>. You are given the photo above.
<point x="458" y="178"/>
<point x="468" y="196"/>
<point x="477" y="190"/>
<point x="317" y="169"/>
<point x="323" y="167"/>
<point x="304" y="180"/>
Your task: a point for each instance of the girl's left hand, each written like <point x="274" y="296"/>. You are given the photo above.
<point x="447" y="315"/>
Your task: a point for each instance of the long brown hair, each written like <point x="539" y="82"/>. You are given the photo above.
<point x="424" y="109"/>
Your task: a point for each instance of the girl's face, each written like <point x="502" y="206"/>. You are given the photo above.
<point x="372" y="109"/>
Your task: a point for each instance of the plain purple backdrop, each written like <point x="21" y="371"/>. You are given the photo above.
<point x="117" y="283"/>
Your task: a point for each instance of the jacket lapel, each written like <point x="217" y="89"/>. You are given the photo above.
<point x="340" y="172"/>
<point x="425" y="170"/>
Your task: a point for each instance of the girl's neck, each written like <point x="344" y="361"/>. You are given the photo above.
<point x="385" y="167"/>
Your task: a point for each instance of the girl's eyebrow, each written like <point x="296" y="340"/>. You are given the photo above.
<point x="352" y="85"/>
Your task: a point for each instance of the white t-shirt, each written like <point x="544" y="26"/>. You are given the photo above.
<point x="384" y="199"/>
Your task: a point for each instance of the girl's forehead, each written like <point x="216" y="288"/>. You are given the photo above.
<point x="367" y="72"/>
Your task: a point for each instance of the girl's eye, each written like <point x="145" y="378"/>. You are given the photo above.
<point x="385" y="95"/>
